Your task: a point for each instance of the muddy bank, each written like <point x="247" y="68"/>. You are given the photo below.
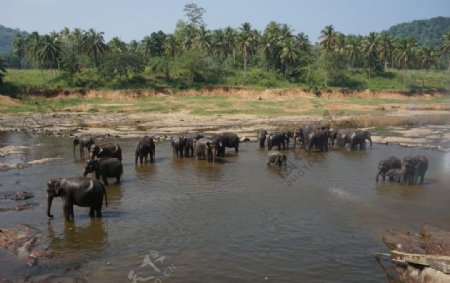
<point x="408" y="128"/>
<point x="430" y="240"/>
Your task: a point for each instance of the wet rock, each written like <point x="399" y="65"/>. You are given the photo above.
<point x="429" y="241"/>
<point x="20" y="195"/>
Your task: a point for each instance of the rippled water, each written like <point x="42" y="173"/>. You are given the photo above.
<point x="319" y="220"/>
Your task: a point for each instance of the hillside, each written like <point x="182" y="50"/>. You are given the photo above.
<point x="6" y="39"/>
<point x="426" y="32"/>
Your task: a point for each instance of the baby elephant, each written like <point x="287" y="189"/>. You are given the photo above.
<point x="385" y="165"/>
<point x="277" y="158"/>
<point x="106" y="167"/>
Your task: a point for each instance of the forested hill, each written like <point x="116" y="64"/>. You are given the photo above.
<point x="426" y="32"/>
<point x="6" y="38"/>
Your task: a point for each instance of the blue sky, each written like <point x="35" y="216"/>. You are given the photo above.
<point x="134" y="19"/>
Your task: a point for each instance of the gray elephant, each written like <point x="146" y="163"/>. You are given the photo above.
<point x="105" y="150"/>
<point x="145" y="148"/>
<point x="385" y="165"/>
<point x="178" y="145"/>
<point x="189" y="145"/>
<point x="105" y="167"/>
<point x="358" y="139"/>
<point x="261" y="135"/>
<point x="343" y="137"/>
<point x="277" y="158"/>
<point x="83" y="142"/>
<point x="394" y="175"/>
<point x="205" y="148"/>
<point x="332" y="137"/>
<point x="81" y="191"/>
<point x="317" y="139"/>
<point x="279" y="139"/>
<point x="299" y="136"/>
<point x="414" y="168"/>
<point x="227" y="139"/>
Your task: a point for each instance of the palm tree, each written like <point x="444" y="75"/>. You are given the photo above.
<point x="328" y="38"/>
<point x="404" y="53"/>
<point x="385" y="48"/>
<point x="94" y="45"/>
<point x="202" y="39"/>
<point x="50" y="50"/>
<point x="19" y="47"/>
<point x="171" y="46"/>
<point x="146" y="46"/>
<point x="33" y="46"/>
<point x="369" y="48"/>
<point x="2" y="70"/>
<point x="428" y="57"/>
<point x="247" y="41"/>
<point x="303" y="42"/>
<point x="218" y="44"/>
<point x="289" y="54"/>
<point x="445" y="45"/>
<point x="117" y="45"/>
<point x="230" y="38"/>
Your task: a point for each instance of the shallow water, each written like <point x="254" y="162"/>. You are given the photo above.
<point x="319" y="220"/>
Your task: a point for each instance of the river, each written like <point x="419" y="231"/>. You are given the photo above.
<point x="184" y="220"/>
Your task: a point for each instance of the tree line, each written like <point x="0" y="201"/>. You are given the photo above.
<point x="196" y="54"/>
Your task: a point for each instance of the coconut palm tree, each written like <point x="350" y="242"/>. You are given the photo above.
<point x="33" y="46"/>
<point x="230" y="38"/>
<point x="445" y="45"/>
<point x="50" y="50"/>
<point x="328" y="38"/>
<point x="247" y="42"/>
<point x="385" y="48"/>
<point x="93" y="44"/>
<point x="117" y="45"/>
<point x="171" y="46"/>
<point x="289" y="54"/>
<point x="405" y="53"/>
<point x="428" y="57"/>
<point x="369" y="47"/>
<point x="202" y="39"/>
<point x="19" y="47"/>
<point x="2" y="70"/>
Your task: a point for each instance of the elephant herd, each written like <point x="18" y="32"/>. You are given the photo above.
<point x="204" y="146"/>
<point x="105" y="160"/>
<point x="407" y="173"/>
<point x="314" y="137"/>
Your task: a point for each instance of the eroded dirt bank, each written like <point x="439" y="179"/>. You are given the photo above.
<point x="393" y="117"/>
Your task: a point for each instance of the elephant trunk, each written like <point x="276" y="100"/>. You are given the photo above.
<point x="370" y="139"/>
<point x="49" y="205"/>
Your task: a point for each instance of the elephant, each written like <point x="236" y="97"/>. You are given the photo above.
<point x="178" y="145"/>
<point x="317" y="139"/>
<point x="299" y="135"/>
<point x="277" y="139"/>
<point x="81" y="191"/>
<point x="227" y="139"/>
<point x="205" y="148"/>
<point x="394" y="175"/>
<point x="146" y="147"/>
<point x="105" y="167"/>
<point x="358" y="138"/>
<point x="385" y="165"/>
<point x="332" y="137"/>
<point x="277" y="158"/>
<point x="83" y="142"/>
<point x="343" y="137"/>
<point x="414" y="168"/>
<point x="105" y="150"/>
<point x="262" y="137"/>
<point x="189" y="145"/>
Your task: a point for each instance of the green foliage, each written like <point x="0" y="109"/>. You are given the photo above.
<point x="2" y="70"/>
<point x="120" y="65"/>
<point x="425" y="32"/>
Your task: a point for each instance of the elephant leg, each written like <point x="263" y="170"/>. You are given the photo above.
<point x="236" y="149"/>
<point x="105" y="181"/>
<point x="118" y="179"/>
<point x="152" y="156"/>
<point x="92" y="211"/>
<point x="66" y="211"/>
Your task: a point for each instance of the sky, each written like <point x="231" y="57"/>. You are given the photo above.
<point x="134" y="19"/>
